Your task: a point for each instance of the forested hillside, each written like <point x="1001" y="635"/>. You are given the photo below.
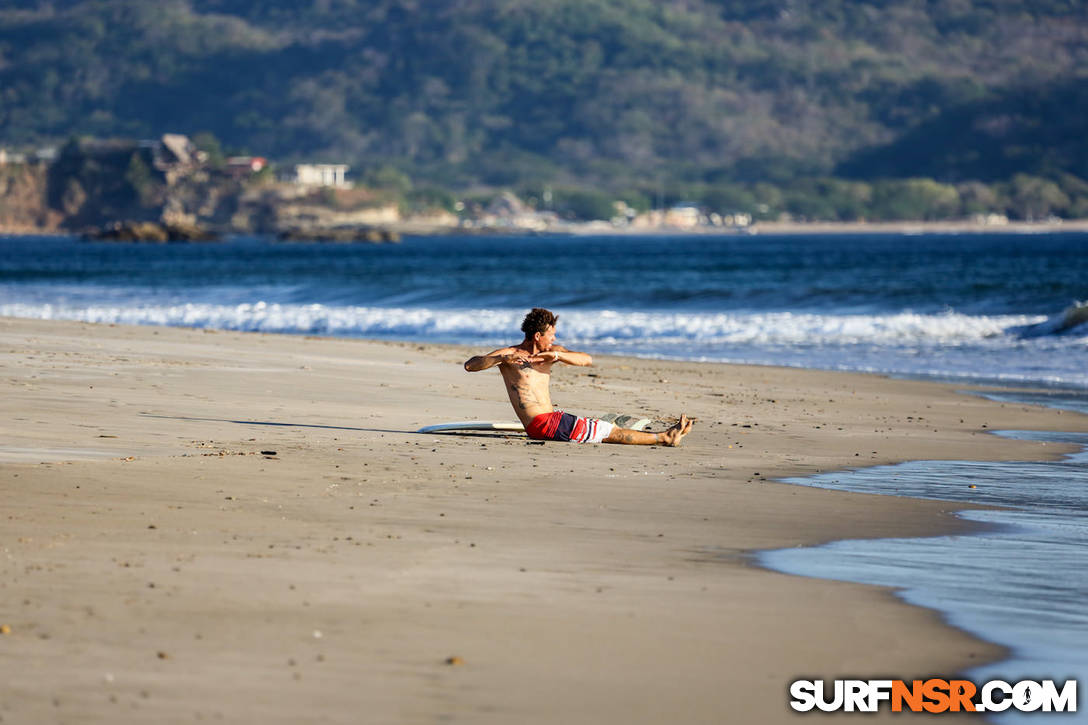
<point x="686" y="96"/>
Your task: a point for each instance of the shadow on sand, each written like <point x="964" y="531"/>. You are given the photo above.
<point x="495" y="435"/>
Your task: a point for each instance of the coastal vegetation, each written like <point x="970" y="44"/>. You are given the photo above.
<point x="776" y="108"/>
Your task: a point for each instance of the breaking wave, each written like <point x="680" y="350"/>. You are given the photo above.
<point x="1072" y="321"/>
<point x="478" y="325"/>
<point x="1007" y="349"/>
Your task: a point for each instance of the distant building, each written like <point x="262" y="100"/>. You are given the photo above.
<point x="173" y="153"/>
<point x="240" y="166"/>
<point x="11" y="158"/>
<point x="507" y="211"/>
<point x="685" y="215"/>
<point x="176" y="149"/>
<point x="736" y="219"/>
<point x="322" y="175"/>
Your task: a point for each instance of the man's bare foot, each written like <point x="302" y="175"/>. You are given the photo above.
<point x="674" y="435"/>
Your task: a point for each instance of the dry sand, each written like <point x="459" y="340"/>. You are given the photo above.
<point x="158" y="568"/>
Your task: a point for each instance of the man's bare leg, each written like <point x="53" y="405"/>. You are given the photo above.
<point x="670" y="437"/>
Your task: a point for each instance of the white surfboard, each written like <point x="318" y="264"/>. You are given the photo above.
<point x="471" y="425"/>
<point x="631" y="422"/>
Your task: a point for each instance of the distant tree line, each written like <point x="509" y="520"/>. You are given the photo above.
<point x="118" y="180"/>
<point x="878" y="109"/>
<point x="1024" y="198"/>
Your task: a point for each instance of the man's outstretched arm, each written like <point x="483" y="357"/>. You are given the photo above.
<point x="490" y="360"/>
<point x="561" y="354"/>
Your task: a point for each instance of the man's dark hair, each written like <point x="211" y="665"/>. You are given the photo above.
<point x="538" y="320"/>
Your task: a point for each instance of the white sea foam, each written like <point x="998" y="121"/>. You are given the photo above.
<point x="763" y="328"/>
<point x="1073" y="321"/>
<point x="792" y="328"/>
<point x="948" y="345"/>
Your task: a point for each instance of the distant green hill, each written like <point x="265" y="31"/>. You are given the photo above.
<point x="1035" y="130"/>
<point x="622" y="94"/>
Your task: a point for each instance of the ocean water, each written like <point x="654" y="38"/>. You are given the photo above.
<point x="1022" y="583"/>
<point x="971" y="307"/>
<point x="978" y="308"/>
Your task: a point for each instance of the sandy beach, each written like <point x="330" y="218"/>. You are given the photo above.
<point x="238" y="527"/>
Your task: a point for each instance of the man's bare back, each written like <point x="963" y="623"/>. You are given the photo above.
<point x="526" y="372"/>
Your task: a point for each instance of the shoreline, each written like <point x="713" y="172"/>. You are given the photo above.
<point x="350" y="566"/>
<point x="896" y="228"/>
<point x="1035" y="517"/>
<point x="409" y="228"/>
<point x="922" y="227"/>
<point x="996" y="382"/>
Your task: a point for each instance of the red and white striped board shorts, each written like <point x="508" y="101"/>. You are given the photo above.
<point x="560" y="426"/>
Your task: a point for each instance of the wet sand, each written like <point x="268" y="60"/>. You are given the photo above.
<point x="205" y="526"/>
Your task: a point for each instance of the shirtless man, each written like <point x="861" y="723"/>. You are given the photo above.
<point x="527" y="369"/>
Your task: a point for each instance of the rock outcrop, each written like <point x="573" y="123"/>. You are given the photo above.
<point x="372" y="235"/>
<point x="23" y="206"/>
<point x="155" y="232"/>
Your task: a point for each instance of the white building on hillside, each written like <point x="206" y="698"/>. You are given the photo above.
<point x="322" y="175"/>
